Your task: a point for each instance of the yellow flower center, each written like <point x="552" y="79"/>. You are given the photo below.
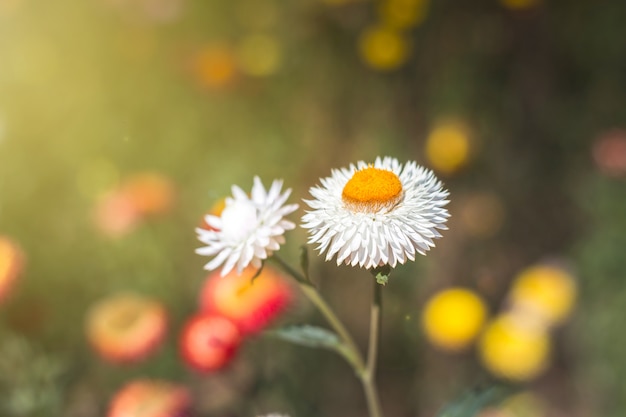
<point x="371" y="189"/>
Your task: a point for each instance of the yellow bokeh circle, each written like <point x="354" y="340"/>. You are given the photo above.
<point x="403" y="14"/>
<point x="546" y="292"/>
<point x="453" y="318"/>
<point x="514" y="349"/>
<point x="383" y="48"/>
<point x="448" y="147"/>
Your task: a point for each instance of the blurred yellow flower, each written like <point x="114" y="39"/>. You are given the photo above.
<point x="546" y="292"/>
<point x="513" y="348"/>
<point x="383" y="48"/>
<point x="403" y="14"/>
<point x="126" y="327"/>
<point x="519" y="4"/>
<point x="448" y="147"/>
<point x="259" y="55"/>
<point x="453" y="318"/>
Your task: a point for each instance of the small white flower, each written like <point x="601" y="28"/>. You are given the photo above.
<point x="375" y="215"/>
<point x="249" y="229"/>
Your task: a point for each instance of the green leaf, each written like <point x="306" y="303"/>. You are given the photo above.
<point x="471" y="403"/>
<point x="311" y="336"/>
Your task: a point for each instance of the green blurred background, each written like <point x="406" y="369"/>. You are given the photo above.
<point x="210" y="93"/>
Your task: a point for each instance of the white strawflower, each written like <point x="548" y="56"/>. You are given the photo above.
<point x="377" y="214"/>
<point x="249" y="229"/>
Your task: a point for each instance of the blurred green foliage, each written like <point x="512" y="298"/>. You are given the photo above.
<point x="93" y="91"/>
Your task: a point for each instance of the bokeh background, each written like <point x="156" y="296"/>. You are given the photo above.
<point x="518" y="106"/>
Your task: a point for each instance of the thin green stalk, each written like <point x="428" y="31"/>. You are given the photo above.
<point x="365" y="371"/>
<point x="368" y="378"/>
<point x="351" y="351"/>
<point x="375" y="316"/>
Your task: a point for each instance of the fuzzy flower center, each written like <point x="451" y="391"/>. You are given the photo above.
<point x="371" y="189"/>
<point x="239" y="220"/>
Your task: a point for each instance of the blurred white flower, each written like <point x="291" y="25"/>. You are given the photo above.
<point x="249" y="229"/>
<point x="377" y="214"/>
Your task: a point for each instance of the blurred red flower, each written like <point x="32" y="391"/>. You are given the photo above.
<point x="208" y="342"/>
<point x="252" y="304"/>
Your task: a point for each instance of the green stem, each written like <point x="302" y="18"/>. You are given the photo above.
<point x="351" y="352"/>
<point x="291" y="271"/>
<point x="365" y="371"/>
<point x="368" y="378"/>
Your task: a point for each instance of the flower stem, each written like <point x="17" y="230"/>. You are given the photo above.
<point x="351" y="352"/>
<point x="368" y="377"/>
<point x="365" y="371"/>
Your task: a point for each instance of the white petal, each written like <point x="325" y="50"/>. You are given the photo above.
<point x="390" y="236"/>
<point x="249" y="228"/>
<point x="217" y="261"/>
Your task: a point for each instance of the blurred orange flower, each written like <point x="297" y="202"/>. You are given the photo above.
<point x="150" y="398"/>
<point x="123" y="208"/>
<point x="251" y="304"/>
<point x="115" y="215"/>
<point x="149" y="192"/>
<point x="215" y="66"/>
<point x="208" y="342"/>
<point x="126" y="327"/>
<point x="11" y="265"/>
